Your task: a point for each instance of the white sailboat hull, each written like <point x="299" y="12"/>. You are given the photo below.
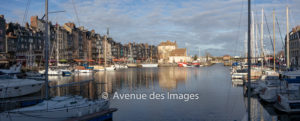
<point x="54" y="72"/>
<point x="19" y="87"/>
<point x="84" y="71"/>
<point x="119" y="66"/>
<point x="237" y="76"/>
<point x="149" y="65"/>
<point x="55" y="110"/>
<point x="111" y="68"/>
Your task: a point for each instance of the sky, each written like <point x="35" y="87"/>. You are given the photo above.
<point x="214" y="26"/>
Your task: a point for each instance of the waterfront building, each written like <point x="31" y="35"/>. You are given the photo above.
<point x="108" y="43"/>
<point x="179" y="55"/>
<point x="63" y="42"/>
<point x="24" y="44"/>
<point x="97" y="47"/>
<point x="294" y="46"/>
<point x="91" y="45"/>
<point x="68" y="43"/>
<point x="2" y="34"/>
<point x="168" y="52"/>
<point x="164" y="50"/>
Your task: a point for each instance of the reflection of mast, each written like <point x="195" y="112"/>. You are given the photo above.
<point x="261" y="113"/>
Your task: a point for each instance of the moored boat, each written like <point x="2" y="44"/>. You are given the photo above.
<point x="18" y="87"/>
<point x="14" y="69"/>
<point x="149" y="65"/>
<point x="56" y="109"/>
<point x="132" y="65"/>
<point x="288" y="100"/>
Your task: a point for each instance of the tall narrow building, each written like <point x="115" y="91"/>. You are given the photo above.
<point x="2" y="34"/>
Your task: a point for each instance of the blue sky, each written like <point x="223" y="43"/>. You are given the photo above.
<point x="214" y="26"/>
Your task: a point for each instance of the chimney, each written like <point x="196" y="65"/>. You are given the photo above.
<point x="33" y="21"/>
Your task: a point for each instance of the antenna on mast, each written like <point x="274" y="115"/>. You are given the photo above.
<point x="107" y="32"/>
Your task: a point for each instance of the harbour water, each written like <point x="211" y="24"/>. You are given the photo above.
<point x="215" y="97"/>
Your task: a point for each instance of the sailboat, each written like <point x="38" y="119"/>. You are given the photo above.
<point x="58" y="71"/>
<point x="14" y="69"/>
<point x="288" y="99"/>
<point x="130" y="59"/>
<point x="111" y="67"/>
<point x="58" y="108"/>
<point x="150" y="64"/>
<point x="13" y="87"/>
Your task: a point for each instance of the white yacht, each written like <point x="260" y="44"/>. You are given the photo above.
<point x="266" y="81"/>
<point x="18" y="87"/>
<point x="120" y="66"/>
<point x="288" y="100"/>
<point x="149" y="65"/>
<point x="83" y="71"/>
<point x="239" y="74"/>
<point x="56" y="72"/>
<point x="14" y="69"/>
<point x="110" y="68"/>
<point x="56" y="109"/>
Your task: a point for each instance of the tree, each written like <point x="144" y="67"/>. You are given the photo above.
<point x="195" y="57"/>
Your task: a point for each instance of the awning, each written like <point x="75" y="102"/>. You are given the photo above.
<point x="63" y="60"/>
<point x="52" y="61"/>
<point x="78" y="60"/>
<point x="90" y="60"/>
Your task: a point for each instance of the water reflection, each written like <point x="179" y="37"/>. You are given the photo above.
<point x="220" y="98"/>
<point x="169" y="77"/>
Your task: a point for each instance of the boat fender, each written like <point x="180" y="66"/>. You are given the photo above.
<point x="278" y="99"/>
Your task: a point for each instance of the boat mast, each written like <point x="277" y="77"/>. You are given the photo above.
<point x="57" y="45"/>
<point x="252" y="37"/>
<point x="256" y="46"/>
<point x="249" y="59"/>
<point x="46" y="50"/>
<point x="99" y="53"/>
<point x="245" y="44"/>
<point x="199" y="52"/>
<point x="105" y="39"/>
<point x="274" y="65"/>
<point x="262" y="37"/>
<point x="287" y="39"/>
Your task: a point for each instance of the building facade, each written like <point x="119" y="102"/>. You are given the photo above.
<point x="168" y="52"/>
<point x="67" y="43"/>
<point x="295" y="47"/>
<point x="2" y="34"/>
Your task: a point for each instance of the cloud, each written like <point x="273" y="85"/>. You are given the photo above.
<point x="218" y="26"/>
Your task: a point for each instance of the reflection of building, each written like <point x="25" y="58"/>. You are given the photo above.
<point x="169" y="77"/>
<point x="169" y="53"/>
